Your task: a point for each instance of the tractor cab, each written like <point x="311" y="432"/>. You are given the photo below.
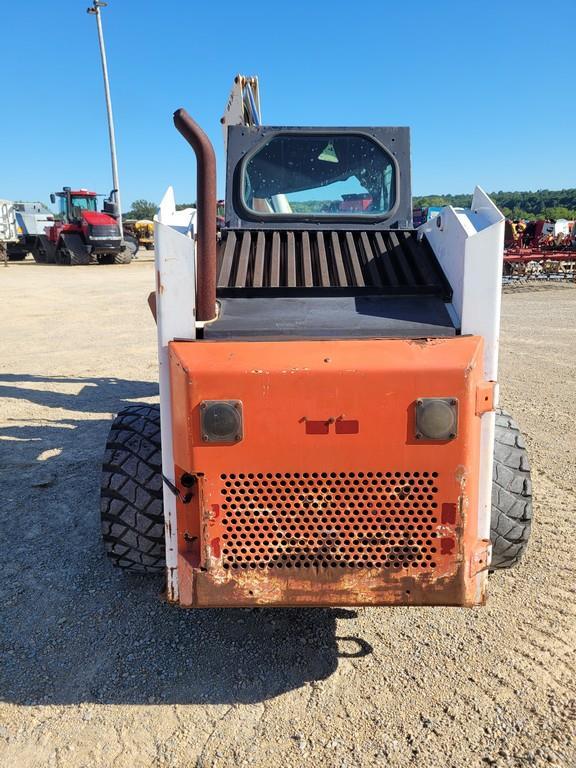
<point x="73" y="203"/>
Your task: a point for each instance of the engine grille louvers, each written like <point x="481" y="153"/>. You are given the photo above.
<point x="393" y="262"/>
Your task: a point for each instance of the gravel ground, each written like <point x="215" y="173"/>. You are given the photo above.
<point x="98" y="672"/>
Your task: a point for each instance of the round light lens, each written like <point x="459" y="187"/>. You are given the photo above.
<point x="221" y="422"/>
<point x="437" y="419"/>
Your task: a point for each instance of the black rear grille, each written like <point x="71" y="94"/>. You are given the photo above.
<point x="387" y="262"/>
<point x="104" y="231"/>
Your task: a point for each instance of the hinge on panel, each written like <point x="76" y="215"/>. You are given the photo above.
<point x="486" y="397"/>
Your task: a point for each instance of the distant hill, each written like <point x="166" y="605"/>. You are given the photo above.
<point x="543" y="204"/>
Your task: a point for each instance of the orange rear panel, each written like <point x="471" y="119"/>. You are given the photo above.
<point x="329" y="498"/>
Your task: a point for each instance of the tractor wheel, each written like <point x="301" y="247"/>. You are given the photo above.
<point x="62" y="257"/>
<point x="43" y="250"/>
<point x="71" y="251"/>
<point x="123" y="257"/>
<point x="65" y="257"/>
<point x="79" y="259"/>
<point x="511" y="494"/>
<point x="132" y="246"/>
<point x="131" y="505"/>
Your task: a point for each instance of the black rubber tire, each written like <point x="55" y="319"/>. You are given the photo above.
<point x="62" y="257"/>
<point x="511" y="494"/>
<point x="123" y="257"/>
<point x="67" y="257"/>
<point x="79" y="259"/>
<point x="71" y="251"/>
<point x="131" y="505"/>
<point x="18" y="256"/>
<point x="43" y="250"/>
<point x="132" y="245"/>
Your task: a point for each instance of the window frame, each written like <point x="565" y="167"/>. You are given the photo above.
<point x="321" y="219"/>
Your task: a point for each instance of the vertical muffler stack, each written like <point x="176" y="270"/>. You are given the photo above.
<point x="206" y="214"/>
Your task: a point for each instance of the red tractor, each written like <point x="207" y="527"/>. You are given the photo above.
<point x="83" y="234"/>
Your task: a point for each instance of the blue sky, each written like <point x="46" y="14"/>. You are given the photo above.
<point x="486" y="87"/>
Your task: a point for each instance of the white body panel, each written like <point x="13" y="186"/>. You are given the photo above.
<point x="175" y="315"/>
<point x="469" y="245"/>
<point x="8" y="231"/>
<point x="33" y="223"/>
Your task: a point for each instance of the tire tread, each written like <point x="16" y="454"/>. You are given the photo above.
<point x="131" y="506"/>
<point x="511" y="494"/>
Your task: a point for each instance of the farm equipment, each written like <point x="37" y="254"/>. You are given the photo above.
<point x="31" y="222"/>
<point x="82" y="233"/>
<point x="8" y="229"/>
<point x="542" y="250"/>
<point x="144" y="230"/>
<point x="141" y="230"/>
<point x="328" y="430"/>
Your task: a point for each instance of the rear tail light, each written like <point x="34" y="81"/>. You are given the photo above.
<point x="221" y="421"/>
<point x="436" y="418"/>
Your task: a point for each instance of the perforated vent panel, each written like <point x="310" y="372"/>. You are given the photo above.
<point x="329" y="520"/>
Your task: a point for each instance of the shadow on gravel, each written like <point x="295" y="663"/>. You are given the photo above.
<point x="96" y="394"/>
<point x="32" y="444"/>
<point x="74" y="629"/>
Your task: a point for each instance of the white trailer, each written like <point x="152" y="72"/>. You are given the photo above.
<point x="32" y="219"/>
<point x="8" y="232"/>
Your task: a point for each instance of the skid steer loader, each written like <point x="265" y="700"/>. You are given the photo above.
<point x="328" y="431"/>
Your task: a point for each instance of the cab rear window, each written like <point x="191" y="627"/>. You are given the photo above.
<point x="319" y="175"/>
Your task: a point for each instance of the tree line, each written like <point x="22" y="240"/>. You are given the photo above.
<point x="145" y="209"/>
<point x="542" y="204"/>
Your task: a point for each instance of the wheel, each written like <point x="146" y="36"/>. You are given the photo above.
<point x="511" y="494"/>
<point x="149" y="246"/>
<point x="71" y="251"/>
<point x="43" y="250"/>
<point x="66" y="257"/>
<point x="123" y="257"/>
<point x="131" y="244"/>
<point x="16" y="255"/>
<point x="79" y="259"/>
<point x="131" y="505"/>
<point x="62" y="257"/>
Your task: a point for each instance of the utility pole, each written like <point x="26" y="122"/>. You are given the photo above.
<point x="95" y="11"/>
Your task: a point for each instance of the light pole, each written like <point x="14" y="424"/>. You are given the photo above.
<point x="95" y="11"/>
